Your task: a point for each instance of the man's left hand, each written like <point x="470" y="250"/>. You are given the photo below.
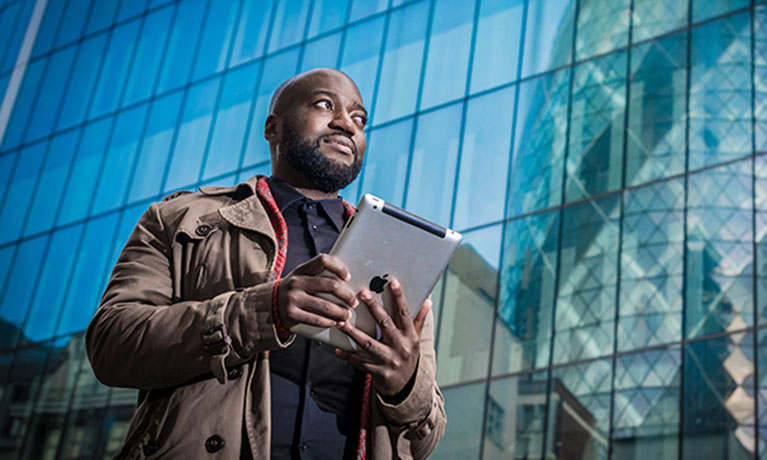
<point x="393" y="360"/>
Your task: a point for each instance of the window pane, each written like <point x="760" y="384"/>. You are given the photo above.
<point x="719" y="250"/>
<point x="656" y="124"/>
<point x="51" y="94"/>
<point x="585" y="311"/>
<point x="289" y="23"/>
<point x="362" y="8"/>
<point x="327" y="15"/>
<point x="655" y="17"/>
<point x="548" y="35"/>
<point x="401" y="68"/>
<point x="360" y="56"/>
<point x="118" y="160"/>
<point x="514" y="417"/>
<point x="718" y="407"/>
<point x="231" y="120"/>
<point x="214" y="46"/>
<point x="19" y="288"/>
<point x="114" y="69"/>
<point x="82" y="82"/>
<point x="73" y="22"/>
<point x="20" y="191"/>
<point x="51" y="286"/>
<point x="251" y="32"/>
<point x="150" y="166"/>
<point x="760" y="205"/>
<point x="705" y="9"/>
<point x="102" y="15"/>
<point x="761" y="393"/>
<point x="579" y="403"/>
<point x="646" y="400"/>
<point x="386" y="162"/>
<point x="466" y="318"/>
<point x="178" y="57"/>
<point x="25" y="100"/>
<point x="11" y="52"/>
<point x="321" y="53"/>
<point x="448" y="52"/>
<point x="149" y="50"/>
<point x="130" y="9"/>
<point x="523" y="323"/>
<point x="276" y="70"/>
<point x="539" y="143"/>
<point x="760" y="77"/>
<point x="85" y="172"/>
<point x="484" y="160"/>
<point x="603" y="25"/>
<point x="463" y="435"/>
<point x="433" y="166"/>
<point x="652" y="266"/>
<point x="89" y="277"/>
<point x="7" y="23"/>
<point x="192" y="135"/>
<point x="720" y="127"/>
<point x="595" y="157"/>
<point x="496" y="52"/>
<point x="54" y="9"/>
<point x="6" y="168"/>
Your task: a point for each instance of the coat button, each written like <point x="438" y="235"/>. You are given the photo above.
<point x="234" y="373"/>
<point x="203" y="230"/>
<point x="214" y="443"/>
<point x="151" y="448"/>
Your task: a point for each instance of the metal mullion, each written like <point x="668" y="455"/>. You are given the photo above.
<point x="304" y="35"/>
<point x="754" y="244"/>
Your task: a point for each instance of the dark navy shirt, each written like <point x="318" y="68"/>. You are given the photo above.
<point x="316" y="397"/>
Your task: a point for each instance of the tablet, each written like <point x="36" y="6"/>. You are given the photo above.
<point x="378" y="242"/>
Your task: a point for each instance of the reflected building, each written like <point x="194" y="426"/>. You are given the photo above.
<point x="604" y="159"/>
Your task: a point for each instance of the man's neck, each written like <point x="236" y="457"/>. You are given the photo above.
<point x="303" y="189"/>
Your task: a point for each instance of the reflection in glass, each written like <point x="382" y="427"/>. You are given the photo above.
<point x="548" y="35"/>
<point x="251" y="31"/>
<point x="579" y="403"/>
<point x="432" y="168"/>
<point x="585" y="308"/>
<point x="360" y="56"/>
<point x="705" y="9"/>
<point x="720" y="91"/>
<point x="539" y="143"/>
<point x="652" y="254"/>
<point x="467" y="308"/>
<point x="718" y="404"/>
<point x="321" y="53"/>
<point x="178" y="54"/>
<point x="448" y="53"/>
<point x="50" y="95"/>
<point x="603" y="25"/>
<point x="386" y="162"/>
<point x="760" y="77"/>
<point x="761" y="387"/>
<point x="657" y="104"/>
<point x="483" y="168"/>
<point x="760" y="239"/>
<point x="646" y="405"/>
<point x="497" y="45"/>
<point x="148" y="55"/>
<point x="19" y="287"/>
<point x="595" y="156"/>
<point x="719" y="250"/>
<point x="401" y="67"/>
<point x="514" y="417"/>
<point x="655" y="17"/>
<point x="289" y="23"/>
<point x="463" y="435"/>
<point x="114" y="70"/>
<point x="214" y="44"/>
<point x="21" y="188"/>
<point x="25" y="99"/>
<point x="327" y="15"/>
<point x="82" y="82"/>
<point x="523" y="325"/>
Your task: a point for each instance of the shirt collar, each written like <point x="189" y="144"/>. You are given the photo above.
<point x="285" y="195"/>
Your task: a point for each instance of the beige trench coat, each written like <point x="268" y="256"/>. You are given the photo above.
<point x="186" y="318"/>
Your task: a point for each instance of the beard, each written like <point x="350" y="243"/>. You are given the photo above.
<point x="320" y="172"/>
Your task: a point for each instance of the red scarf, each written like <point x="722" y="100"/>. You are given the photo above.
<point x="281" y="232"/>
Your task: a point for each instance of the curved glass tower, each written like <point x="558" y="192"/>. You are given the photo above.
<point x="605" y="160"/>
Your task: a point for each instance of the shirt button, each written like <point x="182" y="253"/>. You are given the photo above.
<point x="203" y="230"/>
<point x="234" y="373"/>
<point x="314" y="227"/>
<point x="214" y="443"/>
<point x="304" y="446"/>
<point x="313" y="393"/>
<point x="151" y="448"/>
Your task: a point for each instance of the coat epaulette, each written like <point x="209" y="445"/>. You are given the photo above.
<point x="176" y="195"/>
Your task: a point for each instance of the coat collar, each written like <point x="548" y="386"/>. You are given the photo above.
<point x="247" y="213"/>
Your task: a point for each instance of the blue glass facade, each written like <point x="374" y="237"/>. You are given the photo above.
<point x="606" y="161"/>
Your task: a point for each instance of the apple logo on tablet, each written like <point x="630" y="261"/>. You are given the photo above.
<point x="378" y="282"/>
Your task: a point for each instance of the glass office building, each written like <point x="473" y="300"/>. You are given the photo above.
<point x="604" y="160"/>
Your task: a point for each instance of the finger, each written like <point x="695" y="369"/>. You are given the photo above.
<point x="319" y="284"/>
<point x="360" y="355"/>
<point x="360" y="363"/>
<point x="388" y="328"/>
<point x="401" y="310"/>
<point x="368" y="344"/>
<point x="322" y="262"/>
<point x="421" y="316"/>
<point x="312" y="319"/>
<point x="324" y="308"/>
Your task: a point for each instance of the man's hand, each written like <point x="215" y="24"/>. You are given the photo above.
<point x="393" y="360"/>
<point x="297" y="300"/>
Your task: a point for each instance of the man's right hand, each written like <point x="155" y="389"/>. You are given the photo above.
<point x="297" y="300"/>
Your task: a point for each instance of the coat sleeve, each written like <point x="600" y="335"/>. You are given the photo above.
<point x="417" y="423"/>
<point x="139" y="339"/>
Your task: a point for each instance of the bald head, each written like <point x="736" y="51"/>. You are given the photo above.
<point x="297" y="85"/>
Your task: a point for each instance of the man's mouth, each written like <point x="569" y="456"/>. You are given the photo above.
<point x="341" y="144"/>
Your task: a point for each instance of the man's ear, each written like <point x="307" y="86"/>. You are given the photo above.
<point x="272" y="128"/>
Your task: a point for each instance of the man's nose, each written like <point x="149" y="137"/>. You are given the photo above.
<point x="343" y="121"/>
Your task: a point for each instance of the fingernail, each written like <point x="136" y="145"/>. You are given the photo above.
<point x="355" y="302"/>
<point x="365" y="295"/>
<point x="340" y="324"/>
<point x="395" y="284"/>
<point x="348" y="315"/>
<point x="348" y="277"/>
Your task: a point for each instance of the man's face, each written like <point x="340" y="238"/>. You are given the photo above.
<point x="322" y="131"/>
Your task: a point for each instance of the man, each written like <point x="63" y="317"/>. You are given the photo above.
<point x="198" y="310"/>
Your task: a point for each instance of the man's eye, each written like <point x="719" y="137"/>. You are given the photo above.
<point x="325" y="104"/>
<point x="360" y="119"/>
